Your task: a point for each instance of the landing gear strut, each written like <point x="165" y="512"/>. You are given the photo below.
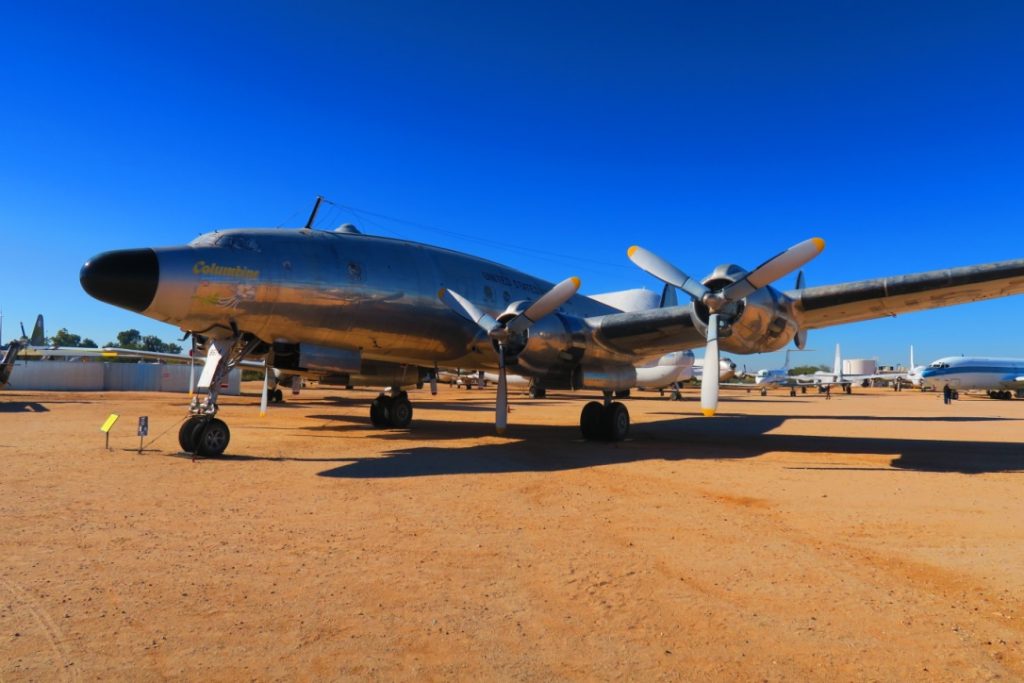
<point x="391" y="411"/>
<point x="202" y="433"/>
<point x="607" y="421"/>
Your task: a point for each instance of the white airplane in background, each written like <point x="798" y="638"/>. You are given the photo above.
<point x="837" y="377"/>
<point x="1000" y="377"/>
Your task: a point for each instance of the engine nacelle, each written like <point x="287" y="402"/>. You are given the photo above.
<point x="764" y="321"/>
<point x="554" y="347"/>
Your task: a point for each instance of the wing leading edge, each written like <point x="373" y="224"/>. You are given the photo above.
<point x="868" y="299"/>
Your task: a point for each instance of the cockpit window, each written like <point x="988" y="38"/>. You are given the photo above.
<point x="238" y="243"/>
<point x="205" y="240"/>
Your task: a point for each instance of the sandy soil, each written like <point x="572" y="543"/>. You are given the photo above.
<point x="878" y="536"/>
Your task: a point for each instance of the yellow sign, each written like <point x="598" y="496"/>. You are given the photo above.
<point x="109" y="423"/>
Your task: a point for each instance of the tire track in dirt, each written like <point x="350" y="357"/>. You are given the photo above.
<point x="46" y="624"/>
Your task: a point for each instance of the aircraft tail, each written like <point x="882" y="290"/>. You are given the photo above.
<point x="837" y="368"/>
<point x="668" y="297"/>
<point x="912" y="366"/>
<point x="38" y="338"/>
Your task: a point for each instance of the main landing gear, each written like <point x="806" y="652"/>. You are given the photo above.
<point x="607" y="421"/>
<point x="202" y="433"/>
<point x="394" y="410"/>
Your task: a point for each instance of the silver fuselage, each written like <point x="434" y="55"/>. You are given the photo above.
<point x="372" y="295"/>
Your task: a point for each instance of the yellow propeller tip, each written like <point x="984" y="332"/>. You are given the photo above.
<point x="440" y="293"/>
<point x="818" y="242"/>
<point x="575" y="281"/>
<point x="629" y="252"/>
<point x="708" y="412"/>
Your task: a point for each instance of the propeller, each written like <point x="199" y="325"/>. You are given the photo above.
<point x="716" y="300"/>
<point x="504" y="334"/>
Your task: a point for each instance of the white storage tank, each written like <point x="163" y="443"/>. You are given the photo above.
<point x="860" y="366"/>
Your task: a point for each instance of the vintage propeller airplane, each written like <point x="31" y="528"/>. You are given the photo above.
<point x="344" y="302"/>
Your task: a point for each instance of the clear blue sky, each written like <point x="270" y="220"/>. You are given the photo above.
<point x="548" y="136"/>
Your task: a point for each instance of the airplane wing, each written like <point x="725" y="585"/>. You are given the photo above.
<point x="106" y="352"/>
<point x="868" y="299"/>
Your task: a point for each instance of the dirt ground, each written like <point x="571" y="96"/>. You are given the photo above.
<point x="877" y="536"/>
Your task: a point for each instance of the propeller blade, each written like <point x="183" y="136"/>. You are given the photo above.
<point x="263" y="399"/>
<point x="467" y="309"/>
<point x="712" y="368"/>
<point x="666" y="272"/>
<point x="548" y="303"/>
<point x="774" y="268"/>
<point x="501" y="401"/>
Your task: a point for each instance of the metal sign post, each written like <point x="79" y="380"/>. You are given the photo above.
<point x="107" y="426"/>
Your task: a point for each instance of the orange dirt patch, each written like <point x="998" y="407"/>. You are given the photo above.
<point x="873" y="536"/>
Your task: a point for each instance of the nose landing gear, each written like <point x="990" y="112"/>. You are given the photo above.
<point x="202" y="433"/>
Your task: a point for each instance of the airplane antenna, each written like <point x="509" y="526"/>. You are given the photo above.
<point x="316" y="207"/>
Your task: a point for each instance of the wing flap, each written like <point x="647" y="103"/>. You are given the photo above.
<point x="868" y="299"/>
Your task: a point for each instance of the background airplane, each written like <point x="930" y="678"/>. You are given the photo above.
<point x="17" y="346"/>
<point x="1001" y="377"/>
<point x="343" y="298"/>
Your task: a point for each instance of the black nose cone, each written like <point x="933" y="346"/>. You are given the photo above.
<point x="124" y="278"/>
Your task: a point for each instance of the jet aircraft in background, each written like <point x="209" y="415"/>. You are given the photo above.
<point x="342" y="301"/>
<point x="1000" y="377"/>
<point x="16" y="346"/>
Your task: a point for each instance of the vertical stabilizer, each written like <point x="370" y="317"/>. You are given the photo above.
<point x="38" y="338"/>
<point x="912" y="366"/>
<point x="837" y="368"/>
<point x="668" y="297"/>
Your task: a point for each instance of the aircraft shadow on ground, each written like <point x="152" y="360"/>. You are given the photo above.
<point x="541" y="448"/>
<point x="23" y="407"/>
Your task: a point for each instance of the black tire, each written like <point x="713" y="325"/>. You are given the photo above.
<point x="615" y="422"/>
<point x="212" y="440"/>
<point x="186" y="433"/>
<point x="622" y="394"/>
<point x="676" y="395"/>
<point x="400" y="413"/>
<point x="538" y="392"/>
<point x="764" y="392"/>
<point x="590" y="420"/>
<point x="380" y="411"/>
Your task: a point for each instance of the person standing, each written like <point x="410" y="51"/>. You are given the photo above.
<point x="828" y="392"/>
<point x="947" y="394"/>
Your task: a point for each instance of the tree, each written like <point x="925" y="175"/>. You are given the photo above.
<point x="65" y="338"/>
<point x="133" y="339"/>
<point x="808" y="369"/>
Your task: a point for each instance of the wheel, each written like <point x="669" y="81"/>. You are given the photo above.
<point x="792" y="391"/>
<point x="676" y="395"/>
<point x="622" y="394"/>
<point x="590" y="420"/>
<point x="278" y="396"/>
<point x="380" y="411"/>
<point x="803" y="390"/>
<point x="615" y="422"/>
<point x="537" y="392"/>
<point x="186" y="438"/>
<point x="400" y="412"/>
<point x="212" y="439"/>
<point x="764" y="392"/>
